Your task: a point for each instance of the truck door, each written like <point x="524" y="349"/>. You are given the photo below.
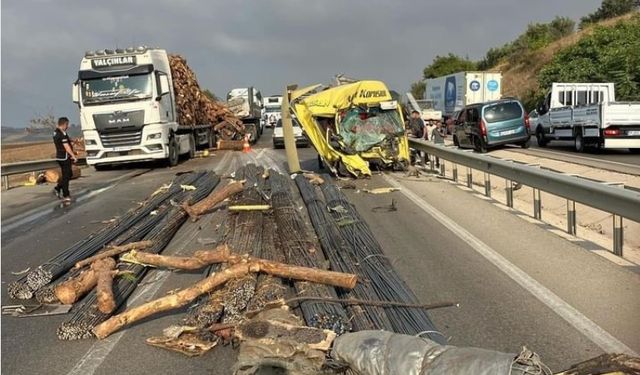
<point x="165" y="103"/>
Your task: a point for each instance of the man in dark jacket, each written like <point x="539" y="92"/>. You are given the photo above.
<point x="65" y="156"/>
<point x="416" y="125"/>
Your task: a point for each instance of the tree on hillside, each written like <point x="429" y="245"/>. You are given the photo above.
<point x="443" y="65"/>
<point x="418" y="89"/>
<point x="610" y="9"/>
<point x="210" y="95"/>
<point x="609" y="54"/>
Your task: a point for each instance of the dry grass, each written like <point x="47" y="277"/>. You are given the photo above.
<point x="520" y="79"/>
<point x="27" y="152"/>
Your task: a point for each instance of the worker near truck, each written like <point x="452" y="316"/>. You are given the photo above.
<point x="65" y="157"/>
<point x="416" y="126"/>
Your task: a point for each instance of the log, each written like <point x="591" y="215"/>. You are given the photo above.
<point x="73" y="289"/>
<point x="224" y="144"/>
<point x="283" y="270"/>
<point x="115" y="250"/>
<point x="212" y="200"/>
<point x="104" y="291"/>
<point x="169" y="302"/>
<point x="249" y="207"/>
<point x="242" y="267"/>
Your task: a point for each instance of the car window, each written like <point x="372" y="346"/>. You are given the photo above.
<point x="502" y="112"/>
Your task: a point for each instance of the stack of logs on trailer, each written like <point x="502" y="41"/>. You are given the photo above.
<point x="194" y="107"/>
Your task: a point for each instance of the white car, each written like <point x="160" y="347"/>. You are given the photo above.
<point x="298" y="133"/>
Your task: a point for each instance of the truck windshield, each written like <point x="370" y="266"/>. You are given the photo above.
<point x="116" y="88"/>
<point x="363" y="129"/>
<point x="503" y="112"/>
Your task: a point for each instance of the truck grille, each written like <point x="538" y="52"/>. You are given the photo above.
<point x="129" y="138"/>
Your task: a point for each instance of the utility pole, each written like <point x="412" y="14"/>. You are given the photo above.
<point x="287" y="130"/>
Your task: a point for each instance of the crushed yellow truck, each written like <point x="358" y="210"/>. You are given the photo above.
<point x="355" y="127"/>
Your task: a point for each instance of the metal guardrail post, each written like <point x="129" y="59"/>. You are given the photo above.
<point x="442" y="169"/>
<point x="571" y="217"/>
<point x="455" y="172"/>
<point x="537" y="204"/>
<point x="487" y="184"/>
<point x="5" y="182"/>
<point x="618" y="229"/>
<point x="509" y="190"/>
<point x="431" y="163"/>
<point x="469" y="178"/>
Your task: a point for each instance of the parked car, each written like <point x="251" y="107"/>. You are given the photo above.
<point x="485" y="125"/>
<point x="298" y="133"/>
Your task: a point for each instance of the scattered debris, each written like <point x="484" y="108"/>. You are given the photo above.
<point x="380" y="190"/>
<point x="390" y="208"/>
<point x="21" y="272"/>
<point x="255" y="207"/>
<point x="22" y="311"/>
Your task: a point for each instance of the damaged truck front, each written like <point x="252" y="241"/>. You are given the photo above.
<point x="354" y="127"/>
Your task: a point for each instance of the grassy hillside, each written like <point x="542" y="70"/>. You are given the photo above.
<point x="521" y="77"/>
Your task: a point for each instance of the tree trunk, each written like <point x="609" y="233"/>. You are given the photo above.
<point x="213" y="199"/>
<point x="104" y="291"/>
<point x="73" y="289"/>
<point x="200" y="259"/>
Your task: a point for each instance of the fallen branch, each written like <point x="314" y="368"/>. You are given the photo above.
<point x="115" y="250"/>
<point x="104" y="291"/>
<point x="212" y="200"/>
<point x="354" y="301"/>
<point x="242" y="267"/>
<point x="252" y="207"/>
<point x="283" y="270"/>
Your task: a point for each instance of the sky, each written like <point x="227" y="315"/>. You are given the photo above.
<point x="263" y="43"/>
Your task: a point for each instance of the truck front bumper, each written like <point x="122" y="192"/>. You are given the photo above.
<point x="146" y="150"/>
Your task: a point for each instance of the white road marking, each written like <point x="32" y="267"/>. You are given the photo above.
<point x="580" y="322"/>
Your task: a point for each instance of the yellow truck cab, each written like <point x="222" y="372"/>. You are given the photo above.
<point x="354" y="127"/>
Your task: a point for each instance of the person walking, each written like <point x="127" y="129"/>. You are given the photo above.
<point x="65" y="157"/>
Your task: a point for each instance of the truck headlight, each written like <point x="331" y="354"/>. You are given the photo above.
<point x="154" y="136"/>
<point x="90" y="142"/>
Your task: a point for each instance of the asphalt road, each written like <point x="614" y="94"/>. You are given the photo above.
<point x="495" y="312"/>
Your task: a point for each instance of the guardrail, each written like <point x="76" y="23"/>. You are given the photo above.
<point x="29" y="166"/>
<point x="618" y="201"/>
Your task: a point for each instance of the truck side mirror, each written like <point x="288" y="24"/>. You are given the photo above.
<point x="163" y="89"/>
<point x="75" y="93"/>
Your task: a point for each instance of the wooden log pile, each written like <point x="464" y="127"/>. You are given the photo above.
<point x="196" y="108"/>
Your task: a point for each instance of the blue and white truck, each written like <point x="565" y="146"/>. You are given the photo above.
<point x="452" y="92"/>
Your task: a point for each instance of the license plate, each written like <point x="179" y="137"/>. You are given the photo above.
<point x="633" y="132"/>
<point x="509" y="132"/>
<point x="118" y="149"/>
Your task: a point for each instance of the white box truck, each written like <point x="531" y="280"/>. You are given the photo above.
<point x="588" y="115"/>
<point x="452" y="92"/>
<point x="128" y="111"/>
<point x="272" y="110"/>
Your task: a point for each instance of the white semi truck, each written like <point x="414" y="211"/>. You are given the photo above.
<point x="588" y="115"/>
<point x="452" y="92"/>
<point x="128" y="111"/>
<point x="272" y="110"/>
<point x="246" y="104"/>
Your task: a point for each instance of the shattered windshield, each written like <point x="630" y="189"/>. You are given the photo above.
<point x="116" y="88"/>
<point x="362" y="128"/>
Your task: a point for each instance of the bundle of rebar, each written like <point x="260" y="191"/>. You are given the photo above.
<point x="375" y="267"/>
<point x="295" y="240"/>
<point x="341" y="258"/>
<point x="42" y="275"/>
<point x="87" y="315"/>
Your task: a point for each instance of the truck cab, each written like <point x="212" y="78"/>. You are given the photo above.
<point x="588" y="115"/>
<point x="127" y="109"/>
<point x="272" y="110"/>
<point x="246" y="104"/>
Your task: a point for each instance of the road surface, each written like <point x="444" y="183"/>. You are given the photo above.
<point x="447" y="243"/>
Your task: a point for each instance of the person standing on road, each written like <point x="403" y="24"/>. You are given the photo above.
<point x="416" y="126"/>
<point x="65" y="157"/>
<point x="438" y="134"/>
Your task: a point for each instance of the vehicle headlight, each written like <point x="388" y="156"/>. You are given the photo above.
<point x="90" y="142"/>
<point x="154" y="136"/>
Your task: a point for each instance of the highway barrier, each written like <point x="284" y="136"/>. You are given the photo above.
<point x="603" y="196"/>
<point x="29" y="166"/>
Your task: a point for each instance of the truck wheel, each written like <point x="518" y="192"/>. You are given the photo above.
<point x="172" y="160"/>
<point x="479" y="145"/>
<point x="542" y="141"/>
<point x="192" y="147"/>
<point x="101" y="167"/>
<point x="253" y="135"/>
<point x="579" y="143"/>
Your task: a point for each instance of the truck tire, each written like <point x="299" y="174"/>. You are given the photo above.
<point x="479" y="145"/>
<point x="253" y="134"/>
<point x="579" y="143"/>
<point x="101" y="167"/>
<point x="542" y="141"/>
<point x="192" y="147"/>
<point x="172" y="159"/>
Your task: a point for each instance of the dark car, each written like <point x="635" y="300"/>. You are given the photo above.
<point x="485" y="125"/>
